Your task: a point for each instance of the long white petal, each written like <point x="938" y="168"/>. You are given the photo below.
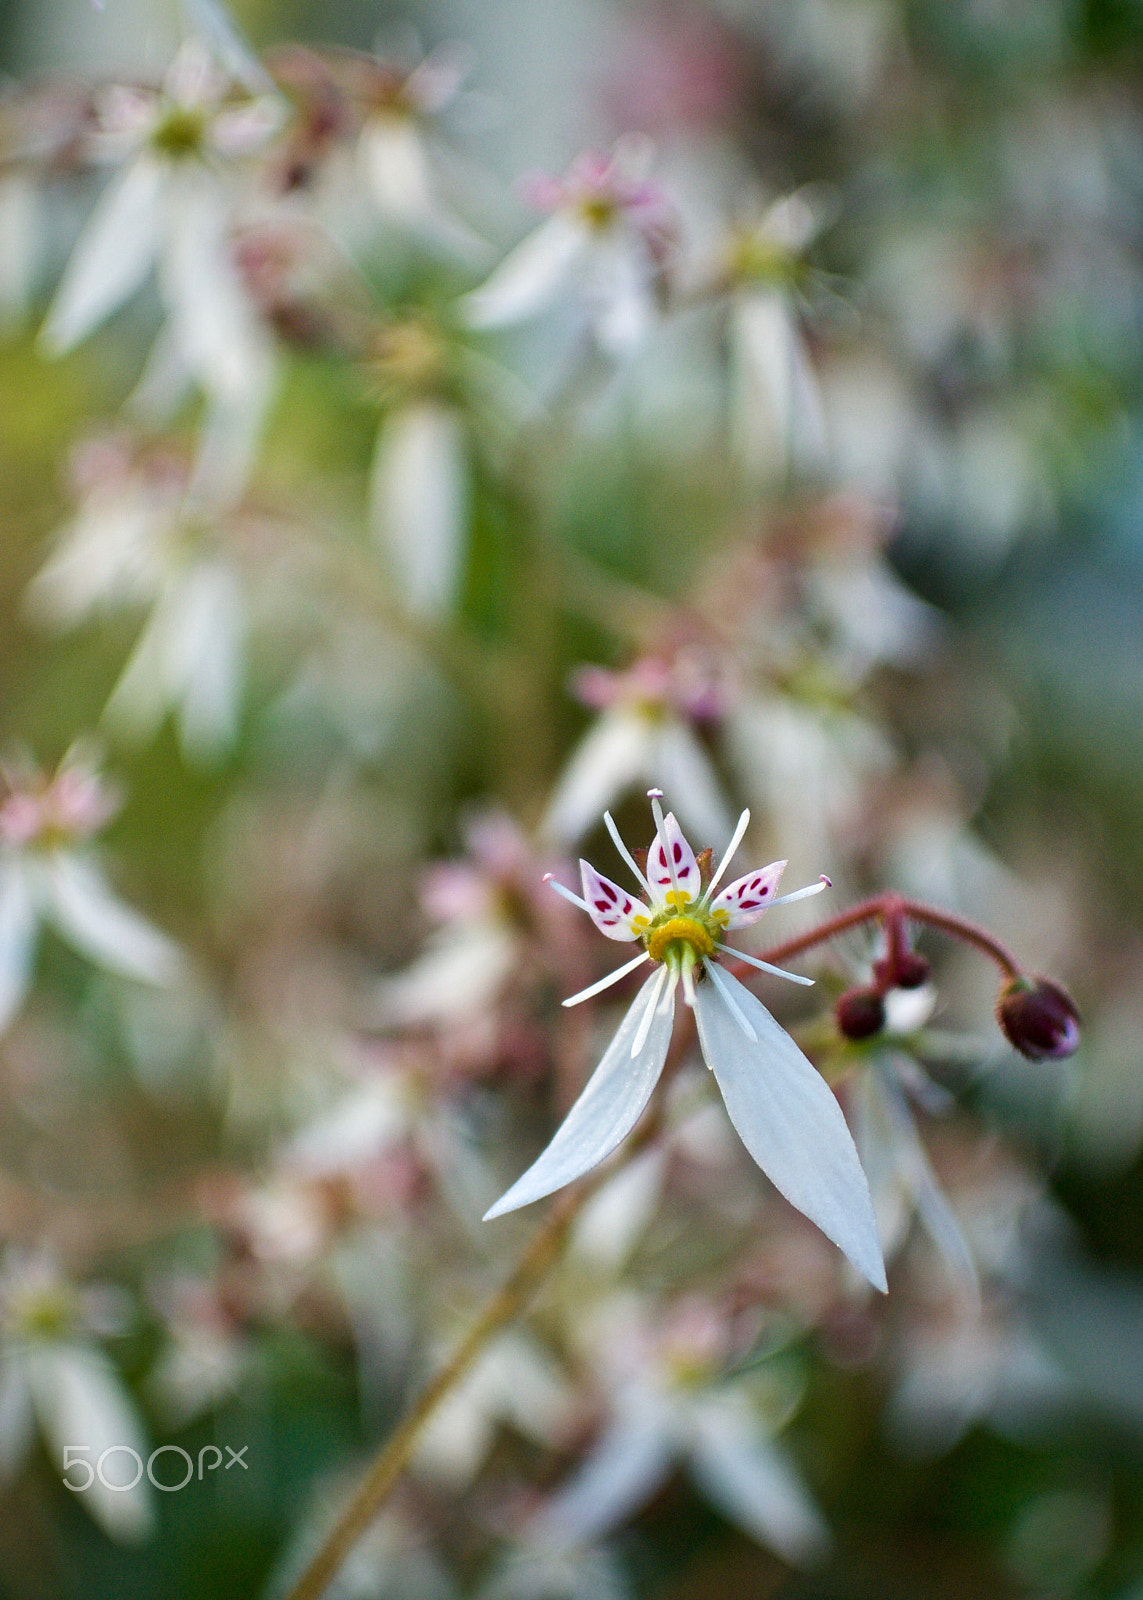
<point x="750" y="1477"/>
<point x="80" y="1400"/>
<point x="914" y="1170"/>
<point x="91" y="918"/>
<point x="608" y="1108"/>
<point x="204" y="647"/>
<point x="141" y="696"/>
<point x="788" y="1119"/>
<point x="610" y="757"/>
<point x="212" y="316"/>
<point x="419" y="503"/>
<point x="17" y="938"/>
<point x="624" y="1469"/>
<point x="530" y="276"/>
<point x="113" y="255"/>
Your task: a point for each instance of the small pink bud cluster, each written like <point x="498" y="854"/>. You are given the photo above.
<point x="860" y="1011"/>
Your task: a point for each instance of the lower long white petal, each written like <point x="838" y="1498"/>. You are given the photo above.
<point x="17" y="938"/>
<point x="95" y="922"/>
<point x="718" y="978"/>
<point x="114" y="254"/>
<point x="607" y="1110"/>
<point x="787" y="1117"/>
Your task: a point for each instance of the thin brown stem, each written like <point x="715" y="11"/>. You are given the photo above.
<point x="383" y="1475"/>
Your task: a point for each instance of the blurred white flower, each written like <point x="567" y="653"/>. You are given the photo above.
<point x="644" y="734"/>
<point x="142" y="536"/>
<point x="172" y="207"/>
<point x="810" y="765"/>
<point x="780" y="1105"/>
<point x="777" y="417"/>
<point x="539" y="1569"/>
<point x="902" y="1182"/>
<point x="54" y="1375"/>
<point x="488" y="907"/>
<point x="956" y="1370"/>
<point x="207" y="1359"/>
<point x="49" y="875"/>
<point x="605" y="247"/>
<point x="513" y="1380"/>
<point x="668" y="1403"/>
<point x="419" y="502"/>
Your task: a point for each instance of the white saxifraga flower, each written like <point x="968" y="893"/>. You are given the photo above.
<point x="55" y="1376"/>
<point x="645" y="731"/>
<point x="783" y="1110"/>
<point x="142" y="536"/>
<point x="48" y="876"/>
<point x="172" y="208"/>
<point x="605" y="245"/>
<point x="778" y="416"/>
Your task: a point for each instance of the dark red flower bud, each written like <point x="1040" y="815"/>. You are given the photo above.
<point x="908" y="969"/>
<point x="1039" y="1018"/>
<point x="860" y="1013"/>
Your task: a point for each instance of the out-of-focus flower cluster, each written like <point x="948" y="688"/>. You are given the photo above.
<point x="440" y="518"/>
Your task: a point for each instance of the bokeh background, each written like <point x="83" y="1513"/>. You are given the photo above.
<point x="845" y="523"/>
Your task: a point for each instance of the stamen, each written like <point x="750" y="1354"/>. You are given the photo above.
<point x="624" y="852"/>
<point x="644" y="1028"/>
<point x="668" y="999"/>
<point x="568" y="894"/>
<point x="802" y="894"/>
<point x="735" y="841"/>
<point x="605" y="983"/>
<point x="655" y="795"/>
<point x="763" y="966"/>
<point x="720" y="983"/>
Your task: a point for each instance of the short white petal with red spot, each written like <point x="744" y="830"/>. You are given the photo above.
<point x="611" y="908"/>
<point x="671" y="864"/>
<point x="747" y="898"/>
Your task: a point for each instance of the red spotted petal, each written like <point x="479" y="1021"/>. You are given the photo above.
<point x="611" y="908"/>
<point x="682" y="858"/>
<point x="746" y="898"/>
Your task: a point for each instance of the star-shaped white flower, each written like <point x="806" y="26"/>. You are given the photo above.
<point x="785" y="1113"/>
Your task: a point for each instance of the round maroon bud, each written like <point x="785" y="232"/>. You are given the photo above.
<point x="1039" y="1018"/>
<point x="860" y="1013"/>
<point x="907" y="970"/>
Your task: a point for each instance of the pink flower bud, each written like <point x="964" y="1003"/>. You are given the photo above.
<point x="860" y="1013"/>
<point x="1038" y="1018"/>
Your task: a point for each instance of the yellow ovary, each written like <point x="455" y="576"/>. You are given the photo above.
<point x="680" y="930"/>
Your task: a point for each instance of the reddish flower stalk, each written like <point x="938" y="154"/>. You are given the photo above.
<point x="890" y="909"/>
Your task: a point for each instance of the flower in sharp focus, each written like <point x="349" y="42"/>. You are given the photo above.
<point x="606" y="242"/>
<point x="48" y="875"/>
<point x="783" y="1110"/>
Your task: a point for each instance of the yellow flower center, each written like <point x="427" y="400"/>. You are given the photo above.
<point x="679" y="930"/>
